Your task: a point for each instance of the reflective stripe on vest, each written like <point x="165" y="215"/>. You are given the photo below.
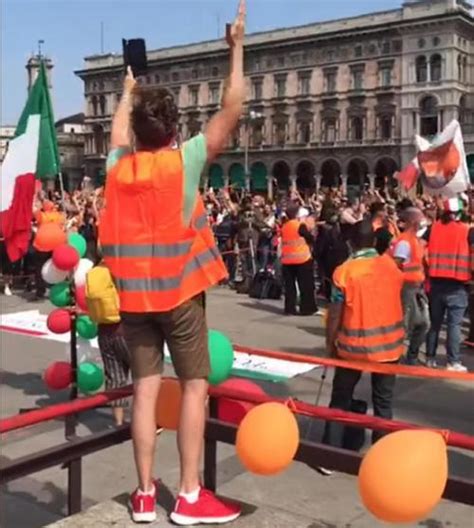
<point x="366" y="341"/>
<point x="449" y="262"/>
<point x="177" y="249"/>
<point x="168" y="283"/>
<point x="158" y="258"/>
<point x="448" y="251"/>
<point x="294" y="249"/>
<point x="372" y="323"/>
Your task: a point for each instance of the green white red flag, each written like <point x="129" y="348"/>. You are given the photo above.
<point x="32" y="155"/>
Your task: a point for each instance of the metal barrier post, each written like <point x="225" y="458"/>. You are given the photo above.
<point x="74" y="467"/>
<point x="210" y="452"/>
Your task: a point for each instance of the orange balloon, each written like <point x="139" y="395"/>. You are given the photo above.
<point x="267" y="439"/>
<point x="403" y="475"/>
<point x="49" y="237"/>
<point x="168" y="404"/>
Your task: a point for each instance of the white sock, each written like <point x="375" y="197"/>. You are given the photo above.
<point x="192" y="497"/>
<point x="151" y="491"/>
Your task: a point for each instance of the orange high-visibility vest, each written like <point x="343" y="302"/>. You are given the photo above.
<point x="157" y="259"/>
<point x="413" y="269"/>
<point x="294" y="249"/>
<point x="471" y="254"/>
<point x="372" y="322"/>
<point x="448" y="251"/>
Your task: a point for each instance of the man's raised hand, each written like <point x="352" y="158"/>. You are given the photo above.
<point x="235" y="32"/>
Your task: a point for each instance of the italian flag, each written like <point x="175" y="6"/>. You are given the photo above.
<point x="32" y="155"/>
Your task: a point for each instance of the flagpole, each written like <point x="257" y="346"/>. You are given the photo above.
<point x="61" y="186"/>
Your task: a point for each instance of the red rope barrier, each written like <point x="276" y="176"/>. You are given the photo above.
<point x="60" y="410"/>
<point x="83" y="404"/>
<point x="365" y="366"/>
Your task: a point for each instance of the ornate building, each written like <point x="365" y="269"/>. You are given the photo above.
<point x="327" y="103"/>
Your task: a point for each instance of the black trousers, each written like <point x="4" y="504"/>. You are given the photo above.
<point x="303" y="274"/>
<point x="343" y="386"/>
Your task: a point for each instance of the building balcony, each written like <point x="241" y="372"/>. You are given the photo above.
<point x="385" y="90"/>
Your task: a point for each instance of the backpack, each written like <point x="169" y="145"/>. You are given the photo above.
<point x="101" y="296"/>
<point x="265" y="286"/>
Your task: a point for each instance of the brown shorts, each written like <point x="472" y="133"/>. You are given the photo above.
<point x="184" y="330"/>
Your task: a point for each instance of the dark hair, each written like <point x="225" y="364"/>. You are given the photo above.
<point x="377" y="207"/>
<point x="154" y="119"/>
<point x="292" y="210"/>
<point x="362" y="235"/>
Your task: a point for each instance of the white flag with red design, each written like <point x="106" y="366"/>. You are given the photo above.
<point x="440" y="165"/>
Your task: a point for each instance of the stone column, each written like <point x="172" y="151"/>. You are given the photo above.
<point x="293" y="182"/>
<point x="270" y="187"/>
<point x="317" y="179"/>
<point x="344" y="183"/>
<point x="372" y="181"/>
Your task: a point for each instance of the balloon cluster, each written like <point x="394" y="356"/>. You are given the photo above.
<point x="268" y="435"/>
<point x="66" y="272"/>
<point x="393" y="471"/>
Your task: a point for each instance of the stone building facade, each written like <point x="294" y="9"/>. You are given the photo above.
<point x="327" y="103"/>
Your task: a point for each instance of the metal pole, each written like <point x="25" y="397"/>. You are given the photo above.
<point x="74" y="467"/>
<point x="246" y="163"/>
<point x="71" y="420"/>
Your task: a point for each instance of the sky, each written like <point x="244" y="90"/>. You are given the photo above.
<point x="71" y="30"/>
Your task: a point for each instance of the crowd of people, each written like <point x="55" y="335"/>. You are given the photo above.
<point x="248" y="229"/>
<point x="388" y="266"/>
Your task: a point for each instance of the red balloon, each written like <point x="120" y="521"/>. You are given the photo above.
<point x="65" y="257"/>
<point x="59" y="321"/>
<point x="233" y="411"/>
<point x="58" y="375"/>
<point x="49" y="237"/>
<point x="81" y="298"/>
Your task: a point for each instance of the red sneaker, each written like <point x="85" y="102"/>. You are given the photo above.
<point x="207" y="510"/>
<point x="144" y="506"/>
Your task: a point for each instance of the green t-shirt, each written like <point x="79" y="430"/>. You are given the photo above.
<point x="194" y="153"/>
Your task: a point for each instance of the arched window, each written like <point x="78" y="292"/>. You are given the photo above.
<point x="464" y="70"/>
<point x="462" y="110"/>
<point x="385" y="123"/>
<point x="257" y="134"/>
<point x="421" y="69"/>
<point x="99" y="139"/>
<point x="103" y="105"/>
<point x="94" y="105"/>
<point x="329" y="130"/>
<point x="304" y="129"/>
<point x="357" y="129"/>
<point x="435" y="68"/>
<point x="428" y="116"/>
<point x="460" y="72"/>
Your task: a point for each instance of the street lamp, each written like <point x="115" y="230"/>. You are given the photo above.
<point x="251" y="116"/>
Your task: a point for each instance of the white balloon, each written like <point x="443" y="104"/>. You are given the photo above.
<point x="81" y="271"/>
<point x="51" y="274"/>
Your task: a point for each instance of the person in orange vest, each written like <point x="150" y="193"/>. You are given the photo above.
<point x="157" y="243"/>
<point x="49" y="214"/>
<point x="408" y="252"/>
<point x="297" y="263"/>
<point x="365" y="323"/>
<point x="449" y="273"/>
<point x="470" y="338"/>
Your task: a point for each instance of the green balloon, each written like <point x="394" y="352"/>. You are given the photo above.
<point x="85" y="327"/>
<point x="78" y="242"/>
<point x="90" y="377"/>
<point x="221" y="355"/>
<point x="60" y="294"/>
